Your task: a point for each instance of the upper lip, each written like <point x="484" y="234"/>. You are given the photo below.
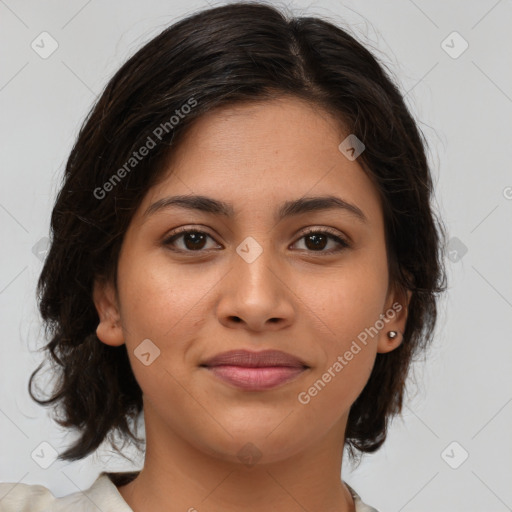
<point x="249" y="359"/>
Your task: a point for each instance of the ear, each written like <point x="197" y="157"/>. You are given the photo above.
<point x="109" y="329"/>
<point x="397" y="306"/>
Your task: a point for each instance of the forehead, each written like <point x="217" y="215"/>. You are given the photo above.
<point x="259" y="154"/>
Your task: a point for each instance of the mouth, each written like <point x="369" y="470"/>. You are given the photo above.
<point x="255" y="371"/>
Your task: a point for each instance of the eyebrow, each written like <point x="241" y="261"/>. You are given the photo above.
<point x="287" y="209"/>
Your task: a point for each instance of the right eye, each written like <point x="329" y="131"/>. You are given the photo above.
<point x="193" y="240"/>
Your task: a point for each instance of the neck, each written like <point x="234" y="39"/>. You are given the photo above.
<point x="178" y="476"/>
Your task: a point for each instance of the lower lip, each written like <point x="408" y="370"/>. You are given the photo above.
<point x="256" y="379"/>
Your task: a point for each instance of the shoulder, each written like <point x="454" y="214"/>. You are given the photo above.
<point x="16" y="497"/>
<point x="102" y="495"/>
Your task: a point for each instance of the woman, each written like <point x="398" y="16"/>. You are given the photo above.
<point x="244" y="251"/>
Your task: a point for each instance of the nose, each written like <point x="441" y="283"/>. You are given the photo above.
<point x="257" y="295"/>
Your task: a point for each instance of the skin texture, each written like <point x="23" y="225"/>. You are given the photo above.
<point x="293" y="297"/>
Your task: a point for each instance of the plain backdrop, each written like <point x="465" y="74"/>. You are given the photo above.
<point x="452" y="449"/>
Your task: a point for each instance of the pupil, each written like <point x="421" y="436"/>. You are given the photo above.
<point x="195" y="237"/>
<point x="317" y="243"/>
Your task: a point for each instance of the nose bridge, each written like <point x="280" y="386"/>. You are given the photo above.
<point x="256" y="294"/>
<point x="255" y="262"/>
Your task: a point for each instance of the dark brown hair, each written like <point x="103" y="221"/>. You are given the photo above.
<point x="242" y="52"/>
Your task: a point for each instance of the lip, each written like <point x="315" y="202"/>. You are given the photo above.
<point x="255" y="371"/>
<point x="250" y="359"/>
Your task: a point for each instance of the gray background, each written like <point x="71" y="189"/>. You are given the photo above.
<point x="462" y="393"/>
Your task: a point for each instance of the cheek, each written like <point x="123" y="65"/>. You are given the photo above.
<point x="334" y="388"/>
<point x="350" y="297"/>
<point x="348" y="303"/>
<point x="161" y="299"/>
<point x="160" y="303"/>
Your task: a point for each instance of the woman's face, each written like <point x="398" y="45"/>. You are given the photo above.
<point x="253" y="279"/>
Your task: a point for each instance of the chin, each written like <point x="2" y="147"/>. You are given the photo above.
<point x="256" y="445"/>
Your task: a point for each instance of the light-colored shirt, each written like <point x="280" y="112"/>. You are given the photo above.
<point x="102" y="495"/>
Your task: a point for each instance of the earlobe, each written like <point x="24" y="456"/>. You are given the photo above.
<point x="389" y="341"/>
<point x="109" y="329"/>
<point x="391" y="337"/>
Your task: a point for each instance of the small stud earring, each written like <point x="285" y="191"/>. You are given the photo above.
<point x="392" y="334"/>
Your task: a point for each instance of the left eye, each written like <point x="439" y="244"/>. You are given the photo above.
<point x="318" y="239"/>
<point x="315" y="240"/>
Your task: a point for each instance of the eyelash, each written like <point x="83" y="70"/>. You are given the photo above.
<point x="325" y="231"/>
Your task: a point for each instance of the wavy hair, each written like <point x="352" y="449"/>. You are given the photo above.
<point x="233" y="54"/>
